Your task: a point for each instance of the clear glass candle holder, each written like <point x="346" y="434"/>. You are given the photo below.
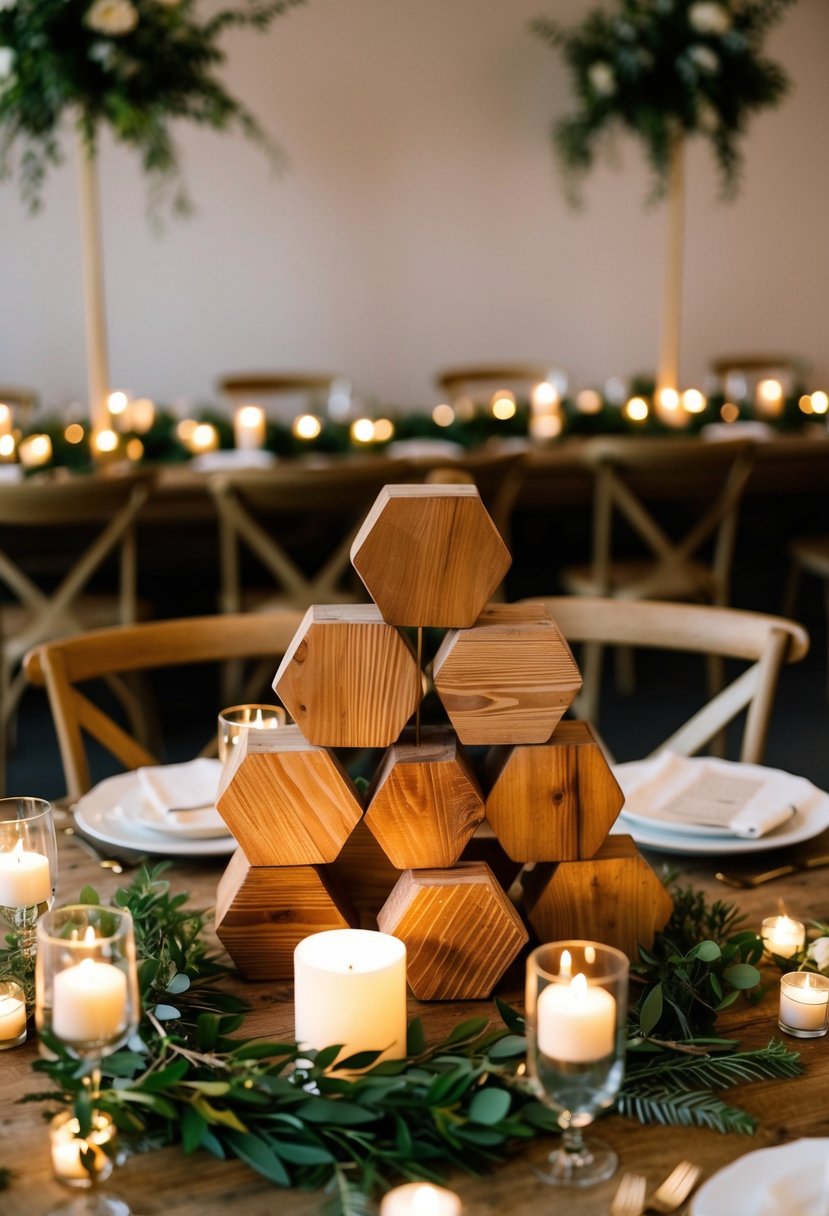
<point x="237" y="720"/>
<point x="804" y="1004"/>
<point x="82" y="1161"/>
<point x="12" y="1015"/>
<point x="576" y="1011"/>
<point x="28" y="865"/>
<point x="782" y="936"/>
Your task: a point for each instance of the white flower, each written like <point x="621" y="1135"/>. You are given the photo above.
<point x="602" y="79"/>
<point x="6" y="62"/>
<point x="704" y="58"/>
<point x="7" y="4"/>
<point x="112" y="16"/>
<point x="819" y="953"/>
<point x="709" y="18"/>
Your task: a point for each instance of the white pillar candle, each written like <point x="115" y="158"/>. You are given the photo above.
<point x="350" y="988"/>
<point x="12" y="1015"/>
<point x="25" y="880"/>
<point x="89" y="1003"/>
<point x="249" y="427"/>
<point x="804" y="1003"/>
<point x="576" y="1022"/>
<point x="420" y="1199"/>
<point x="783" y="936"/>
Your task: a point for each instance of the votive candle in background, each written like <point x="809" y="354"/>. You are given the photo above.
<point x="35" y="450"/>
<point x="235" y="721"/>
<point x="783" y="936"/>
<point x="249" y="427"/>
<point x="350" y="988"/>
<point x="12" y="1015"/>
<point x="804" y="1004"/>
<point x="420" y="1199"/>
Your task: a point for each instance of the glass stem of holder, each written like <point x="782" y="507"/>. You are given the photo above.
<point x="24" y="925"/>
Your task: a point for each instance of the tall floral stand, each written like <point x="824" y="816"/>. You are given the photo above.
<point x="668" y="371"/>
<point x="97" y="362"/>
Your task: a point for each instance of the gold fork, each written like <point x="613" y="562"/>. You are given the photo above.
<point x="676" y="1188"/>
<point x="629" y="1199"/>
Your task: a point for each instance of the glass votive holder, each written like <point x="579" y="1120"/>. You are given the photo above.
<point x="237" y="720"/>
<point x="804" y="1004"/>
<point x="79" y="1161"/>
<point x="420" y="1199"/>
<point x="783" y="936"/>
<point x="12" y="1015"/>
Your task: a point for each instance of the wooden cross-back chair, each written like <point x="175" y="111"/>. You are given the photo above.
<point x="632" y="476"/>
<point x="108" y="506"/>
<point x="66" y="666"/>
<point x="766" y="643"/>
<point x="498" y="477"/>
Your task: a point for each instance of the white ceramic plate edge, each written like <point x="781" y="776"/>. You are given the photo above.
<point x="747" y="1179"/>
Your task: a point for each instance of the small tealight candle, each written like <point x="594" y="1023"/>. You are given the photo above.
<point x="783" y="936"/>
<point x="89" y="1002"/>
<point x="576" y="1020"/>
<point x="35" y="450"/>
<point x="420" y="1199"/>
<point x="804" y="1004"/>
<point x="25" y="878"/>
<point x="12" y="1015"/>
<point x="350" y="988"/>
<point x="67" y="1147"/>
<point x="238" y="719"/>
<point x="249" y="427"/>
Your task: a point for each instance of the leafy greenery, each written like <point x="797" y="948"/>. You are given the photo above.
<point x="664" y="70"/>
<point x="131" y="65"/>
<point x="306" y="1119"/>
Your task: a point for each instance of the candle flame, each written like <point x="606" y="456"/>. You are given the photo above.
<point x="89" y="936"/>
<point x="578" y="986"/>
<point x="17" y="851"/>
<point x="424" y="1200"/>
<point x="257" y="721"/>
<point x="565" y="966"/>
<point x="590" y="955"/>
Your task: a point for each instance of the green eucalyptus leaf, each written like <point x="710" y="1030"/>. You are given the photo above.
<point x="177" y="984"/>
<point x="508" y="1047"/>
<point x="258" y="1155"/>
<point x="742" y="976"/>
<point x="415" y="1038"/>
<point x="650" y="1010"/>
<point x="489" y="1106"/>
<point x="706" y="952"/>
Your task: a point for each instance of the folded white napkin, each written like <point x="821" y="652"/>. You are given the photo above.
<point x="698" y="792"/>
<point x="181" y="798"/>
<point x="232" y="458"/>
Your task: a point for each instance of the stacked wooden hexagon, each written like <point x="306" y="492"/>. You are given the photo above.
<point x="418" y="860"/>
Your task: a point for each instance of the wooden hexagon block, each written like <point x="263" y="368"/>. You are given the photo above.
<point x="425" y="802"/>
<point x="614" y="898"/>
<point x="365" y="873"/>
<point x="508" y="679"/>
<point x="430" y="555"/>
<point x="348" y="679"/>
<point x="263" y="912"/>
<point x="287" y="802"/>
<point x="553" y="801"/>
<point x="461" y="931"/>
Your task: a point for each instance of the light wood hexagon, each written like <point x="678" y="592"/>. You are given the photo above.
<point x="430" y="555"/>
<point x="508" y="679"/>
<point x="348" y="679"/>
<point x="614" y="898"/>
<point x="553" y="801"/>
<point x="425" y="802"/>
<point x="461" y="931"/>
<point x="287" y="802"/>
<point x="263" y="912"/>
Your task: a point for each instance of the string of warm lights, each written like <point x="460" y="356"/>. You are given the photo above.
<point x="141" y="432"/>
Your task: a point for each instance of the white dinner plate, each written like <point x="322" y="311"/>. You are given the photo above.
<point x="112" y="813"/>
<point x="810" y="819"/>
<point x="789" y="1180"/>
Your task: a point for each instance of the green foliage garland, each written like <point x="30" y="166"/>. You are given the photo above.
<point x="131" y="65"/>
<point x="666" y="69"/>
<point x="462" y="1104"/>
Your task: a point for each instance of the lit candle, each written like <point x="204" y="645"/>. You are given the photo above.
<point x="35" y="450"/>
<point x="89" y="1004"/>
<point x="249" y="427"/>
<point x="67" y="1146"/>
<point x="783" y="936"/>
<point x="350" y="988"/>
<point x="420" y="1199"/>
<point x="25" y="879"/>
<point x="238" y="719"/>
<point x="804" y="1004"/>
<point x="12" y="1015"/>
<point x="203" y="438"/>
<point x="576" y="1021"/>
<point x="6" y="420"/>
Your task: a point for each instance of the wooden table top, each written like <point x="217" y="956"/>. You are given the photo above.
<point x="166" y="1182"/>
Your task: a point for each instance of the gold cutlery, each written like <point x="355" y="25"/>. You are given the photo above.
<point x="629" y="1199"/>
<point x="754" y="880"/>
<point x="672" y="1193"/>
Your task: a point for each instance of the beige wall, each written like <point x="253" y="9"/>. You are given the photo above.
<point x="421" y="222"/>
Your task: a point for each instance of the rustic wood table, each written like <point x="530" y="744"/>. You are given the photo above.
<point x="166" y="1182"/>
